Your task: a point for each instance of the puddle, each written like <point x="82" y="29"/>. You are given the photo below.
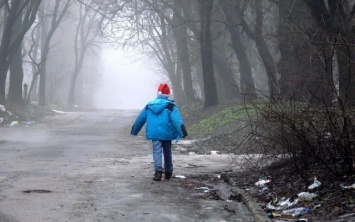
<point x="37" y="191"/>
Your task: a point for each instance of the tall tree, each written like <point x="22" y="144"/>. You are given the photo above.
<point x="86" y="33"/>
<point x="11" y="38"/>
<point x="335" y="20"/>
<point x="256" y="34"/>
<point x="210" y="89"/>
<point x="306" y="56"/>
<point x="228" y="90"/>
<point x="16" y="71"/>
<point x="247" y="81"/>
<point x="57" y="15"/>
<point x="179" y="29"/>
<point x="166" y="56"/>
<point x="33" y="55"/>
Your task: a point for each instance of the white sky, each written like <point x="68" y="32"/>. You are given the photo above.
<point x="127" y="81"/>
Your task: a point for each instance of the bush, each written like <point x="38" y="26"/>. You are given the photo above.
<point x="313" y="136"/>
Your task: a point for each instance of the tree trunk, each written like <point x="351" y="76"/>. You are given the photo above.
<point x="35" y="66"/>
<point x="11" y="40"/>
<point x="334" y="18"/>
<point x="301" y="65"/>
<point x="85" y="36"/>
<point x="43" y="66"/>
<point x="179" y="29"/>
<point x="229" y="88"/>
<point x="73" y="79"/>
<point x="211" y="97"/>
<point x="79" y="60"/>
<point x="263" y="49"/>
<point x="286" y="66"/>
<point x="56" y="19"/>
<point x="171" y="66"/>
<point x="247" y="82"/>
<point x="16" y="73"/>
<point x="5" y="48"/>
<point x="346" y="60"/>
<point x="175" y="78"/>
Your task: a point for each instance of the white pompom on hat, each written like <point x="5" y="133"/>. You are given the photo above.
<point x="164" y="90"/>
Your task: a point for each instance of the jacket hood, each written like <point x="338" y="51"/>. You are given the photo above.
<point x="159" y="104"/>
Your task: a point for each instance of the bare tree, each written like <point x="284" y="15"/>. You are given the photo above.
<point x="11" y="40"/>
<point x="179" y="29"/>
<point x="16" y="71"/>
<point x="230" y="13"/>
<point x="335" y="19"/>
<point x="211" y="97"/>
<point x="33" y="53"/>
<point x="87" y="31"/>
<point x="165" y="51"/>
<point x="57" y="16"/>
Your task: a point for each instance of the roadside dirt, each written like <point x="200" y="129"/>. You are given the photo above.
<point x="333" y="203"/>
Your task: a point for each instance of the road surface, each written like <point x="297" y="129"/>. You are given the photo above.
<point x="87" y="167"/>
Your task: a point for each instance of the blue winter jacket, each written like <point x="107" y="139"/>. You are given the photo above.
<point x="162" y="119"/>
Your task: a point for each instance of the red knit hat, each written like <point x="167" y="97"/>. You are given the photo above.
<point x="164" y="89"/>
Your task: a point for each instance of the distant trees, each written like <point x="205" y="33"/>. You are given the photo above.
<point x="232" y="23"/>
<point x="170" y="14"/>
<point x="251" y="41"/>
<point x="47" y="31"/>
<point x="86" y="33"/>
<point x="256" y="33"/>
<point x="30" y="42"/>
<point x="214" y="51"/>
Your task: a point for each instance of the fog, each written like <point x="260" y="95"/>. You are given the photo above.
<point x="127" y="82"/>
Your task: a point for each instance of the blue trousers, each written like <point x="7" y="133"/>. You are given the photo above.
<point x="161" y="147"/>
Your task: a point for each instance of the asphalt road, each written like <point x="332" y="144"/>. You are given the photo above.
<point x="87" y="167"/>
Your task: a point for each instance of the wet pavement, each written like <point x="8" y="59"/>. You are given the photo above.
<point x="87" y="167"/>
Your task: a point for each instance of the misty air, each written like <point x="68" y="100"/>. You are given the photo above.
<point x="177" y="110"/>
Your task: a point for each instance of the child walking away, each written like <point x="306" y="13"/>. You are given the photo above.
<point x="163" y="124"/>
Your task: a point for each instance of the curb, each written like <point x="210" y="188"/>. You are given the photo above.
<point x="258" y="214"/>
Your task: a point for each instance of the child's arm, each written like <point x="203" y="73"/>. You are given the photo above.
<point x="178" y="123"/>
<point x="139" y="123"/>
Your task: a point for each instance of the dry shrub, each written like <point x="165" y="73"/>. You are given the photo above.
<point x="314" y="137"/>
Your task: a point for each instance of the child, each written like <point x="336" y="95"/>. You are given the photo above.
<point x="163" y="124"/>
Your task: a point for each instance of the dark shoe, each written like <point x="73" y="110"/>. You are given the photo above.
<point x="157" y="175"/>
<point x="168" y="175"/>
